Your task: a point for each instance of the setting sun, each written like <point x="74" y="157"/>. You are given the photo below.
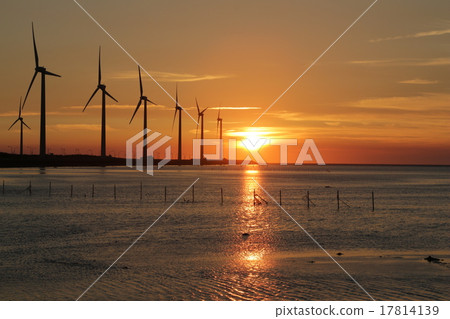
<point x="253" y="139"/>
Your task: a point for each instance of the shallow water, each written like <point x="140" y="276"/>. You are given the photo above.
<point x="54" y="245"/>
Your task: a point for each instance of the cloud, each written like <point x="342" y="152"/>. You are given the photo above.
<point x="112" y="106"/>
<point x="287" y="116"/>
<point x="71" y="127"/>
<point x="25" y="114"/>
<point x="372" y="62"/>
<point x="434" y="62"/>
<point x="171" y="77"/>
<point x="425" y="102"/>
<point x="414" y="36"/>
<point x="404" y="62"/>
<point x="418" y="81"/>
<point x="235" y="108"/>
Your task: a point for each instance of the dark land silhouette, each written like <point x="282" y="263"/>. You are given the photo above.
<point x="79" y="160"/>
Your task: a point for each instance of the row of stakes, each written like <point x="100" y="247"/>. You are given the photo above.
<point x="257" y="199"/>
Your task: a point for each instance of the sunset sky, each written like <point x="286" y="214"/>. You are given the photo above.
<point x="380" y="95"/>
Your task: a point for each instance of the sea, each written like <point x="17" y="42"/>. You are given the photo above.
<point x="225" y="233"/>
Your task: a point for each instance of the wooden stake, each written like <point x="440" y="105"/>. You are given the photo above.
<point x="165" y="194"/>
<point x="3" y="189"/>
<point x="193" y="193"/>
<point x="29" y="189"/>
<point x="254" y="197"/>
<point x="337" y="196"/>
<point x="49" y="189"/>
<point x="71" y="191"/>
<point x="115" y="191"/>
<point x="307" y="198"/>
<point x="373" y="201"/>
<point x="93" y="190"/>
<point x="221" y="196"/>
<point x="140" y="193"/>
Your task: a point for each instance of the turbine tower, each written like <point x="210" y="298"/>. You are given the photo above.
<point x="144" y="132"/>
<point x="219" y="128"/>
<point x="22" y="123"/>
<point x="200" y="117"/>
<point x="101" y="87"/>
<point x="44" y="72"/>
<point x="178" y="109"/>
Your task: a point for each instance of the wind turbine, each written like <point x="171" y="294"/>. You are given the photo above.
<point x="144" y="132"/>
<point x="101" y="87"/>
<point x="200" y="117"/>
<point x="22" y="123"/>
<point x="219" y="124"/>
<point x="44" y="72"/>
<point x="219" y="128"/>
<point x="179" y="109"/>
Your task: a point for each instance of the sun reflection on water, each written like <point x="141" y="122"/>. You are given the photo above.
<point x="253" y="226"/>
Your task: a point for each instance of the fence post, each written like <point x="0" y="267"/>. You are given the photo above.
<point x="307" y="197"/>
<point x="373" y="201"/>
<point x="337" y="197"/>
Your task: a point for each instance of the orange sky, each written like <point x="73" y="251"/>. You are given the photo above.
<point x="380" y="95"/>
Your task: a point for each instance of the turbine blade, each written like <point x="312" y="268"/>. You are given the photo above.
<point x="140" y="81"/>
<point x="106" y="92"/>
<point x="151" y="102"/>
<point x="217" y="126"/>
<point x="13" y="124"/>
<point x="29" y="88"/>
<point x="36" y="57"/>
<point x="205" y="109"/>
<point x="52" y="74"/>
<point x="198" y="109"/>
<point x="20" y="107"/>
<point x="176" y="94"/>
<point x="25" y="124"/>
<point x="99" y="65"/>
<point x="174" y="117"/>
<point x="198" y="121"/>
<point x="218" y="115"/>
<point x="135" y="111"/>
<point x="90" y="99"/>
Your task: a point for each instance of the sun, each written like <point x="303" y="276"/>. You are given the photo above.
<point x="252" y="139"/>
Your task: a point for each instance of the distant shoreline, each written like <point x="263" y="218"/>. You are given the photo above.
<point x="16" y="161"/>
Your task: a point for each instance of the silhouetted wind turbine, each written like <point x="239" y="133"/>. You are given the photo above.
<point x="101" y="87"/>
<point x="22" y="123"/>
<point x="219" y="125"/>
<point x="178" y="109"/>
<point x="145" y="99"/>
<point x="200" y="117"/>
<point x="44" y="72"/>
<point x="219" y="128"/>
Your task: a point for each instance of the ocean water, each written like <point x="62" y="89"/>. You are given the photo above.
<point x="54" y="245"/>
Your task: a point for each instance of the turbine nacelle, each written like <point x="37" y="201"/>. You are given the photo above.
<point x="142" y="98"/>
